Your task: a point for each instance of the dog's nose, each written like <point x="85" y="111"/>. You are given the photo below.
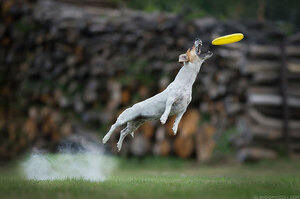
<point x="198" y="42"/>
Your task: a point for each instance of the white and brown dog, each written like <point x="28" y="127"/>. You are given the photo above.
<point x="174" y="100"/>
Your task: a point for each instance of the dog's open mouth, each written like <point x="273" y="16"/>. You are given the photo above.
<point x="198" y="45"/>
<point x="202" y="51"/>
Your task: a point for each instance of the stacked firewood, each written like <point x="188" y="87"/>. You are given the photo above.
<point x="41" y="126"/>
<point x="262" y="133"/>
<point x="64" y="64"/>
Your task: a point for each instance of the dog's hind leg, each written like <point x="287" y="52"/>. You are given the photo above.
<point x="136" y="124"/>
<point x="130" y="128"/>
<point x="123" y="134"/>
<point x="127" y="115"/>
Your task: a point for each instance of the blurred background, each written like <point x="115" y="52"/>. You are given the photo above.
<point x="70" y="67"/>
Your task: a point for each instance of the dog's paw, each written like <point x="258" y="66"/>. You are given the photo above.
<point x="174" y="129"/>
<point x="163" y="119"/>
<point x="105" y="139"/>
<point x="119" y="146"/>
<point x="132" y="134"/>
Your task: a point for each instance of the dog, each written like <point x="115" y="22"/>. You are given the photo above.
<point x="174" y="100"/>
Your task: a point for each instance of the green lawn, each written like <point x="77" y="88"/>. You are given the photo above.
<point x="160" y="178"/>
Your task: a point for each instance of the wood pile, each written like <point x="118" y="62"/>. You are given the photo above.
<point x="262" y="133"/>
<point x="63" y="64"/>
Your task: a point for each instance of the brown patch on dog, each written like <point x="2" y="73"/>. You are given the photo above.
<point x="191" y="54"/>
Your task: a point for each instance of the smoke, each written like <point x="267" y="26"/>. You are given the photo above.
<point x="87" y="164"/>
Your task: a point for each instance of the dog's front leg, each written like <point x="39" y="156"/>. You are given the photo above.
<point x="165" y="115"/>
<point x="177" y="120"/>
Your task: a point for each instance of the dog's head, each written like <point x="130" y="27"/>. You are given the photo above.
<point x="194" y="54"/>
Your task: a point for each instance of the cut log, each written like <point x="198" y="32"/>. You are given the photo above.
<point x="220" y="108"/>
<point x="255" y="154"/>
<point x="292" y="91"/>
<point x="143" y="92"/>
<point x="160" y="134"/>
<point x="55" y="135"/>
<point x="46" y="127"/>
<point x="271" y="122"/>
<point x="262" y="51"/>
<point x="189" y="123"/>
<point x="294" y="66"/>
<point x="265" y="77"/>
<point x="260" y="65"/>
<point x="248" y="127"/>
<point x="125" y="99"/>
<point x="294" y="39"/>
<point x="115" y="95"/>
<point x="162" y="148"/>
<point x="232" y="105"/>
<point x="271" y="99"/>
<point x="11" y="132"/>
<point x="293" y="51"/>
<point x="66" y="129"/>
<point x="183" y="146"/>
<point x="147" y="129"/>
<point x="230" y="54"/>
<point x="31" y="128"/>
<point x="205" y="143"/>
<point x="165" y="148"/>
<point x="33" y="113"/>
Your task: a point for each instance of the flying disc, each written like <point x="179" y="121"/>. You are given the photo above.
<point x="228" y="39"/>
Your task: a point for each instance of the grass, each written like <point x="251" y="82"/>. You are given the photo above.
<point x="171" y="178"/>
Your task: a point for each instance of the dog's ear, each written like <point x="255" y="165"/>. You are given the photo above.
<point x="183" y="58"/>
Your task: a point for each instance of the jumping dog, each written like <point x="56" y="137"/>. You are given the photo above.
<point x="174" y="100"/>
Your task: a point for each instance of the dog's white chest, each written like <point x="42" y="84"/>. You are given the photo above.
<point x="181" y="103"/>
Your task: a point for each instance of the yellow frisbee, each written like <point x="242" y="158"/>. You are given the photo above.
<point x="228" y="39"/>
